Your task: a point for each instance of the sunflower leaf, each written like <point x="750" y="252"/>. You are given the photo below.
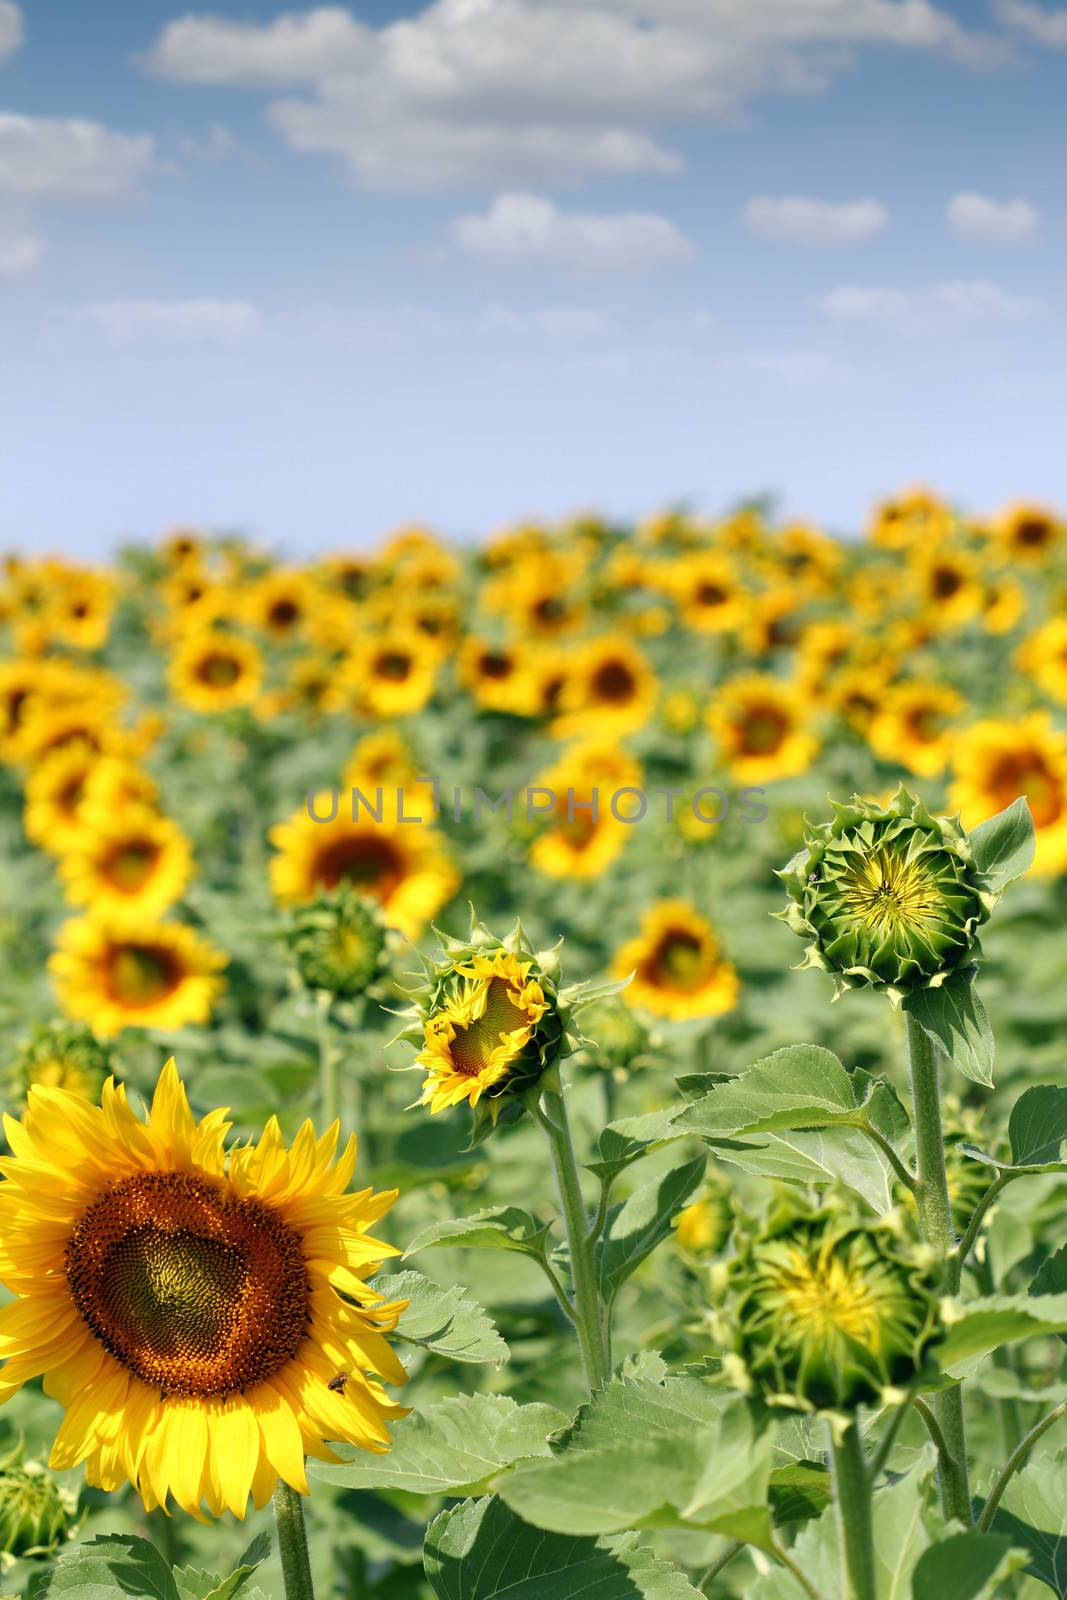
<point x="983" y="1325"/>
<point x="110" y="1566"/>
<point x="496" y="1228"/>
<point x="1033" y="1514"/>
<point x="456" y="1447"/>
<point x="799" y="1086"/>
<point x="954" y="1017"/>
<point x="1003" y="845"/>
<point x="634" y="1228"/>
<point x="966" y="1566"/>
<point x="481" y="1549"/>
<point x="440" y="1320"/>
<point x="1037" y="1126"/>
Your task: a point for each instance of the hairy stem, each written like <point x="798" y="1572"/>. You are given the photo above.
<point x="1015" y="1461"/>
<point x="852" y="1499"/>
<point x="588" y="1306"/>
<point x="292" y="1543"/>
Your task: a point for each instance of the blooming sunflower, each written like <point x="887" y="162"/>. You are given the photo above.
<point x="152" y="975"/>
<point x="484" y="1029"/>
<point x="762" y="728"/>
<point x="911" y="519"/>
<point x="402" y="865"/>
<point x="215" y="670"/>
<point x="994" y="762"/>
<point x="127" y="863"/>
<point x="391" y="674"/>
<point x="609" y="690"/>
<point x="55" y="793"/>
<point x="678" y="970"/>
<point x="708" y="590"/>
<point x="915" y="725"/>
<point x="189" y="1306"/>
<point x="1044" y="655"/>
<point x="948" y="585"/>
<point x="501" y="677"/>
<point x="1028" y="534"/>
<point x="584" y="835"/>
<point x="281" y="603"/>
<point x="80" y="613"/>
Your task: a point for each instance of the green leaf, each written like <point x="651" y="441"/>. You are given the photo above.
<point x="983" y="1325"/>
<point x="440" y="1320"/>
<point x="955" y="1019"/>
<point x="799" y="1491"/>
<point x="801" y="1086"/>
<point x="622" y="1143"/>
<point x="818" y="1156"/>
<point x="1003" y="845"/>
<point x="639" y="1224"/>
<point x="1033" y="1514"/>
<point x="1052" y="1278"/>
<point x="1037" y="1126"/>
<point x="455" y="1447"/>
<point x="481" y="1551"/>
<point x="966" y="1566"/>
<point x="110" y="1566"/>
<point x="497" y="1228"/>
<point x="646" y="1453"/>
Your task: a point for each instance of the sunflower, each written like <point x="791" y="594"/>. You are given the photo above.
<point x="399" y="861"/>
<point x="190" y="1307"/>
<point x="179" y="546"/>
<point x="708" y="590"/>
<point x="857" y="693"/>
<point x="584" y="835"/>
<point x="127" y="863"/>
<point x="806" y="557"/>
<point x="678" y="970"/>
<point x="383" y="760"/>
<point x="761" y="725"/>
<point x="152" y="975"/>
<point x="1044" y="656"/>
<point x="774" y="621"/>
<point x="912" y="519"/>
<point x="114" y="783"/>
<point x="1003" y="605"/>
<point x="915" y="726"/>
<point x="993" y="763"/>
<point x="281" y="603"/>
<point x="538" y="594"/>
<point x="1028" y="534"/>
<point x="610" y="690"/>
<point x="391" y="674"/>
<point x="214" y="670"/>
<point x="481" y="1031"/>
<point x="501" y="677"/>
<point x="60" y="1055"/>
<point x="55" y="793"/>
<point x="824" y="650"/>
<point x="80" y="613"/>
<point x="20" y="681"/>
<point x="48" y="727"/>
<point x="948" y="585"/>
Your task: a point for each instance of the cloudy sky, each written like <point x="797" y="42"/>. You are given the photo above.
<point x="316" y="272"/>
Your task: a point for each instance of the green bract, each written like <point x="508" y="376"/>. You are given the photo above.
<point x="35" y="1514"/>
<point x="60" y="1055"/>
<point x="338" y="942"/>
<point x="889" y="896"/>
<point x="827" y="1311"/>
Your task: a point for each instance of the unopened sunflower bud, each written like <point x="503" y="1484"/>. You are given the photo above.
<point x="704" y="1227"/>
<point x="827" y="1311"/>
<point x="888" y="895"/>
<point x="338" y="942"/>
<point x="35" y="1514"/>
<point x="617" y="1037"/>
<point x="60" y="1055"/>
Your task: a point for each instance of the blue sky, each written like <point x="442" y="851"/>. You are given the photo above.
<point x="315" y="273"/>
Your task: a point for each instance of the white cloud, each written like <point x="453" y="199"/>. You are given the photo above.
<point x="43" y="158"/>
<point x="11" y="32"/>
<point x="1042" y="24"/>
<point x="172" y="322"/>
<point x="526" y="92"/>
<point x="20" y="253"/>
<point x="818" y="222"/>
<point x="528" y="228"/>
<point x="940" y="307"/>
<point x="974" y="216"/>
<point x="215" y="146"/>
<point x="800" y="369"/>
<point x="562" y="324"/>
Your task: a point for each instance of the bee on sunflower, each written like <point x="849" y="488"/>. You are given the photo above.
<point x="188" y="1304"/>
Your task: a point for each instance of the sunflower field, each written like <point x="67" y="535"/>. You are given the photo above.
<point x="536" y="1069"/>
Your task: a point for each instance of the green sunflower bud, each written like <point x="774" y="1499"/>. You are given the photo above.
<point x="704" y="1226"/>
<point x="826" y="1311"/>
<point x="888" y="895"/>
<point x="60" y="1055"/>
<point x="36" y="1515"/>
<point x="338" y="941"/>
<point x="617" y="1037"/>
<point x="491" y="1022"/>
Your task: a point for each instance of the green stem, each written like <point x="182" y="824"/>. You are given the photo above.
<point x="292" y="1543"/>
<point x="1015" y="1461"/>
<point x="966" y="1244"/>
<point x="935" y="1218"/>
<point x="327" y="1058"/>
<point x="907" y="1178"/>
<point x="885" y="1446"/>
<point x="704" y="1583"/>
<point x="588" y="1306"/>
<point x="852" y="1498"/>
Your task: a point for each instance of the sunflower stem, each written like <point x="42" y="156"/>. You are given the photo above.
<point x="852" y="1499"/>
<point x="292" y="1543"/>
<point x="1015" y="1461"/>
<point x="327" y="1058"/>
<point x="935" y="1220"/>
<point x="588" y="1306"/>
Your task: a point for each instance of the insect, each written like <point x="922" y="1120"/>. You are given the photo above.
<point x="337" y="1383"/>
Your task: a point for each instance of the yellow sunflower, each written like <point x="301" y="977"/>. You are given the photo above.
<point x="281" y="603"/>
<point x="824" y="650"/>
<point x="1028" y="534"/>
<point x="678" y="970"/>
<point x="911" y="519"/>
<point x="477" y="1037"/>
<point x="761" y="725"/>
<point x="539" y="594"/>
<point x="80" y="612"/>
<point x="180" y="545"/>
<point x="501" y="677"/>
<point x="214" y="670"/>
<point x="1003" y="605"/>
<point x="127" y="863"/>
<point x="584" y="834"/>
<point x="391" y="674"/>
<point x="993" y="763"/>
<point x="774" y="622"/>
<point x="806" y="557"/>
<point x="948" y="585"/>
<point x="610" y="690"/>
<point x="47" y="727"/>
<point x="191" y="1307"/>
<point x="55" y="793"/>
<point x="915" y="725"/>
<point x="707" y="588"/>
<point x="382" y="760"/>
<point x="857" y="693"/>
<point x="401" y="864"/>
<point x="1044" y="656"/>
<point x="151" y="975"/>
